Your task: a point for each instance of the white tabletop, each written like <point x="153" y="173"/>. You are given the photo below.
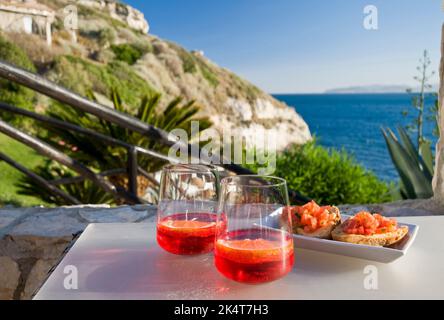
<point x="123" y="261"/>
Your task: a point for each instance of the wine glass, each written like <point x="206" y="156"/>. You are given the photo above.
<point x="187" y="210"/>
<point x="254" y="242"/>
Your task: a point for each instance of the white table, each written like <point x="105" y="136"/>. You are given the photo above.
<point x="123" y="261"/>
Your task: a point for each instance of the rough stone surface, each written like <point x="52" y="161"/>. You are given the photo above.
<point x="21" y="248"/>
<point x="9" y="278"/>
<point x="438" y="180"/>
<point x="32" y="240"/>
<point x="406" y="208"/>
<point x="36" y="277"/>
<point x="122" y="12"/>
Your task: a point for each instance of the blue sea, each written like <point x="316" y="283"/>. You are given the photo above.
<point x="353" y="122"/>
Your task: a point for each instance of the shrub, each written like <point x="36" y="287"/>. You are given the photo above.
<point x="188" y="60"/>
<point x="13" y="54"/>
<point x="10" y="92"/>
<point x="329" y="176"/>
<point x="127" y="52"/>
<point x="101" y="157"/>
<point x="208" y="74"/>
<point x="189" y="65"/>
<point x="106" y="37"/>
<point x="249" y="90"/>
<point x="81" y="76"/>
<point x="34" y="47"/>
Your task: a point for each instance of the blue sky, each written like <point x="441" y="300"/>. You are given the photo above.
<point x="291" y="46"/>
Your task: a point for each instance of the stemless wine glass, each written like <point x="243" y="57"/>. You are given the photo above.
<point x="187" y="210"/>
<point x="254" y="241"/>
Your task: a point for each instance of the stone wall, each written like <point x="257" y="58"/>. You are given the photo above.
<point x="32" y="240"/>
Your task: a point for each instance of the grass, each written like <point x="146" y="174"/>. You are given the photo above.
<point x="208" y="74"/>
<point x="81" y="75"/>
<point x="9" y="176"/>
<point x="250" y="90"/>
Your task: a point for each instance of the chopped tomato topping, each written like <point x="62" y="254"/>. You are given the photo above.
<point x="365" y="223"/>
<point x="311" y="216"/>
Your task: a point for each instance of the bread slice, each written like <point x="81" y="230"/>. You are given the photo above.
<point x="376" y="240"/>
<point x="324" y="232"/>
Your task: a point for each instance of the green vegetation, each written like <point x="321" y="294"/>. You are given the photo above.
<point x="86" y="190"/>
<point x="128" y="53"/>
<point x="9" y="176"/>
<point x="207" y="73"/>
<point x="189" y="63"/>
<point x="100" y="157"/>
<point x="414" y="168"/>
<point x="81" y="76"/>
<point x="106" y="37"/>
<point x="415" y="163"/>
<point x="250" y="90"/>
<point x="10" y="92"/>
<point x="19" y="96"/>
<point x="193" y="64"/>
<point x="87" y="12"/>
<point x="329" y="176"/>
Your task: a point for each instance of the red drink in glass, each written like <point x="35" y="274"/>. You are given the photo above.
<point x="254" y="255"/>
<point x="187" y="233"/>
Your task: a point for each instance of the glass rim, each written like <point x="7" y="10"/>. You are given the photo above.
<point x="279" y="181"/>
<point x="190" y="168"/>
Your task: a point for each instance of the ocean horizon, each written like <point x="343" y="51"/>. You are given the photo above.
<point x="353" y="121"/>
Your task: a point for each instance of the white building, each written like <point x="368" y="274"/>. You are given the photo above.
<point x="27" y="16"/>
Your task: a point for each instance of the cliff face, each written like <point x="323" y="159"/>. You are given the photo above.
<point x="120" y="11"/>
<point x="105" y="27"/>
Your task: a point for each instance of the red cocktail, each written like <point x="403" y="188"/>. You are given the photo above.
<point x="187" y="233"/>
<point x="254" y="255"/>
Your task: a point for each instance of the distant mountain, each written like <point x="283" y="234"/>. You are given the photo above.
<point x="377" y="89"/>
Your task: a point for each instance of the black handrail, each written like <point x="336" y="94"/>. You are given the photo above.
<point x="40" y="181"/>
<point x="52" y="153"/>
<point x="61" y="94"/>
<point x="85" y="131"/>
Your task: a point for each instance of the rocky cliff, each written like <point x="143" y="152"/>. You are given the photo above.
<point x="113" y="49"/>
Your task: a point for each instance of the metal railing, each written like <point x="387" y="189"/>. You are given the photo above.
<point x="63" y="95"/>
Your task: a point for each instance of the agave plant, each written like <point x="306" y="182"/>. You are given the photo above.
<point x="414" y="166"/>
<point x="176" y="115"/>
<point x="101" y="157"/>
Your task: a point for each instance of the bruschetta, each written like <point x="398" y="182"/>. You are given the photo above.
<point x="314" y="221"/>
<point x="370" y="229"/>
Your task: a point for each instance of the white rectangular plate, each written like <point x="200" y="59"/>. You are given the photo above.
<point x="379" y="254"/>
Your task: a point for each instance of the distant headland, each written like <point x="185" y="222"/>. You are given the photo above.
<point x="377" y="89"/>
